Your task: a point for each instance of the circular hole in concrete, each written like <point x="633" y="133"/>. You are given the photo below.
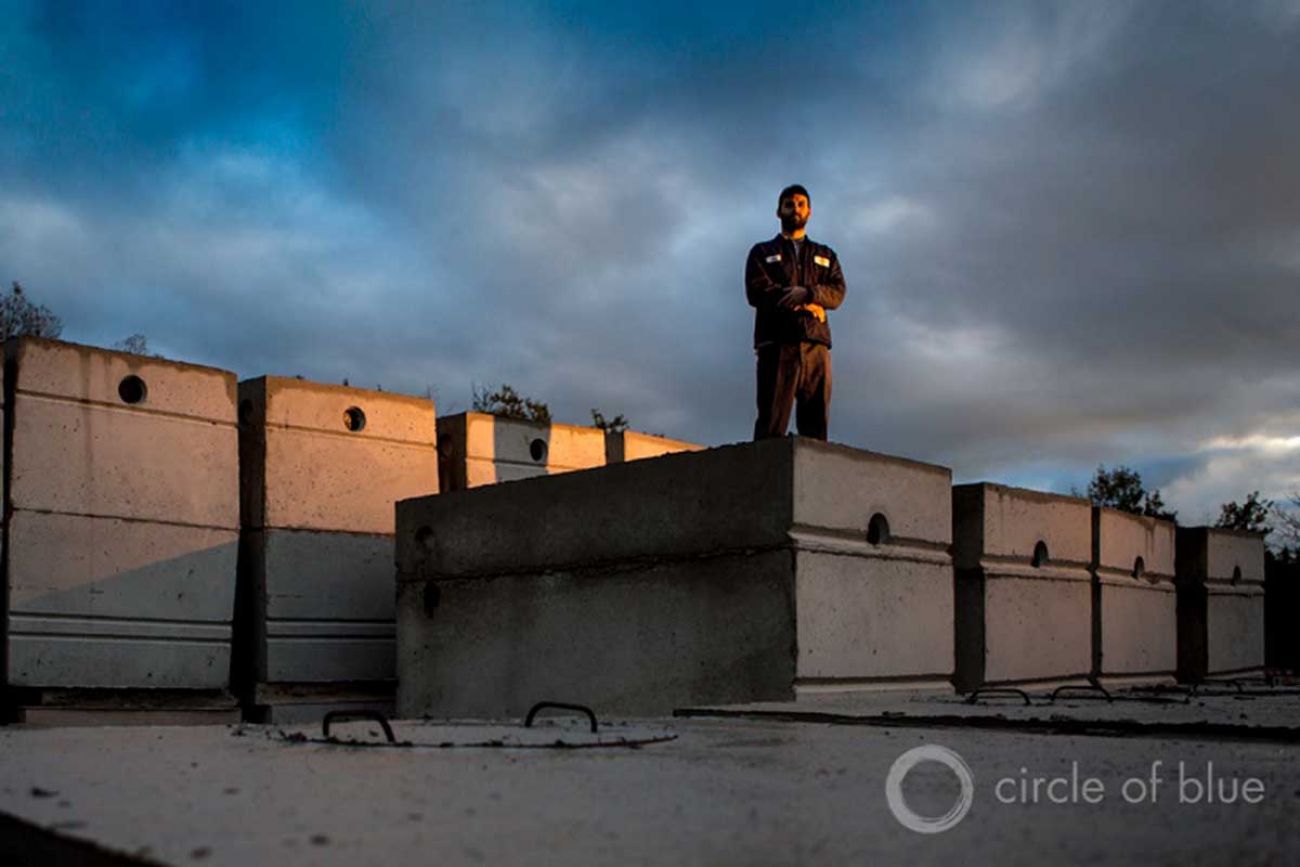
<point x="132" y="389"/>
<point x="537" y="448"/>
<point x="1139" y="567"/>
<point x="1040" y="553"/>
<point x="877" y="529"/>
<point x="1236" y="574"/>
<point x="354" y="419"/>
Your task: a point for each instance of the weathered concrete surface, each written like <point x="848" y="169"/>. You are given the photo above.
<point x="1135" y="623"/>
<point x="741" y="496"/>
<point x="123" y="519"/>
<point x="631" y="445"/>
<point x="494" y="646"/>
<point x="118" y="603"/>
<point x="744" y="570"/>
<point x="1022" y="585"/>
<point x="723" y="792"/>
<point x="476" y="449"/>
<point x="79" y="448"/>
<point x="326" y="603"/>
<point x="1220" y="601"/>
<point x="322" y="467"/>
<point x="103" y="567"/>
<point x="870" y="622"/>
<point x="306" y="469"/>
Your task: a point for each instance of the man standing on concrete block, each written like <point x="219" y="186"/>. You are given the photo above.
<point x="791" y="281"/>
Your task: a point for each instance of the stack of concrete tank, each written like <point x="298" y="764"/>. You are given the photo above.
<point x="1220" y="602"/>
<point x="770" y="570"/>
<point x="321" y="469"/>
<point x="756" y="571"/>
<point x="1023" y="587"/>
<point x="120" y="541"/>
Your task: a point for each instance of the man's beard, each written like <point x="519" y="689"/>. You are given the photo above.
<point x="792" y="222"/>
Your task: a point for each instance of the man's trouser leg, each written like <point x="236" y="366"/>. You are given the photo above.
<point x="813" y="412"/>
<point x="778" y="376"/>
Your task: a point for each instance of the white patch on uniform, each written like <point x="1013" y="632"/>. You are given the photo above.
<point x="771" y="259"/>
<point x="822" y="260"/>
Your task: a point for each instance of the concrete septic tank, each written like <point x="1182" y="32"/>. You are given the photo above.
<point x="321" y="469"/>
<point x="633" y="446"/>
<point x="1220" y="578"/>
<point x="476" y="449"/>
<point x="1022" y="585"/>
<point x="757" y="571"/>
<point x="123" y="504"/>
<point x="1134" y="606"/>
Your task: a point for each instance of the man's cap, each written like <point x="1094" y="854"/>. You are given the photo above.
<point x="793" y="190"/>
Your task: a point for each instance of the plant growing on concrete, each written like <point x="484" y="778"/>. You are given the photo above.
<point x="617" y="424"/>
<point x="20" y="317"/>
<point x="508" y="403"/>
<point x="136" y="344"/>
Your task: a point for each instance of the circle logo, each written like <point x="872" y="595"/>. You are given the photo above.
<point x="907" y="817"/>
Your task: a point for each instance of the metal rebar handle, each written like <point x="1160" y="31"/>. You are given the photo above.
<point x="998" y="690"/>
<point x="1082" y="687"/>
<point x="541" y="705"/>
<point x="372" y="715"/>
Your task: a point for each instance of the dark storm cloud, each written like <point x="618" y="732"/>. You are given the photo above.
<point x="1069" y="229"/>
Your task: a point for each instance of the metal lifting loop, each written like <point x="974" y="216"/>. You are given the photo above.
<point x="1084" y="688"/>
<point x="373" y="715"/>
<point x="528" y="720"/>
<point x="1007" y="691"/>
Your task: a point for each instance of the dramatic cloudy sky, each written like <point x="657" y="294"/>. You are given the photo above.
<point x="1071" y="231"/>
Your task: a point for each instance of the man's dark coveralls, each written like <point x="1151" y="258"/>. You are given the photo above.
<point x="793" y="346"/>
